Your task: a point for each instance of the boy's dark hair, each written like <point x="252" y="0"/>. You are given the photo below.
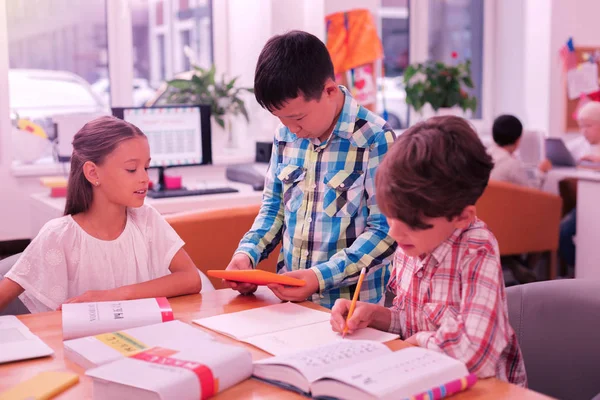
<point x="295" y="63"/>
<point x="507" y="129"/>
<point x="435" y="169"/>
<point x="96" y="140"/>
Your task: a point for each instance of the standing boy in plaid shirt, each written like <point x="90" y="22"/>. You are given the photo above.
<point x="446" y="274"/>
<point x="319" y="195"/>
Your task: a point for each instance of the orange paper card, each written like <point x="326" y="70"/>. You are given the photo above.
<point x="256" y="276"/>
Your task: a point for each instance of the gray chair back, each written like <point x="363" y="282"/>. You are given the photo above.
<point x="15" y="307"/>
<point x="558" y="328"/>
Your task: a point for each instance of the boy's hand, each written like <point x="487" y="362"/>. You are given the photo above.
<point x="591" y="158"/>
<point x="240" y="261"/>
<point x="545" y="165"/>
<point x="412" y="340"/>
<point x="300" y="293"/>
<point x="361" y="318"/>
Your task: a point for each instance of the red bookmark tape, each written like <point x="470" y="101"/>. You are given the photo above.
<point x="165" y="309"/>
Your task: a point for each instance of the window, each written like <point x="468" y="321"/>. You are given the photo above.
<point x="57" y="50"/>
<point x="457" y="26"/>
<point x="166" y="34"/>
<point x="395" y="39"/>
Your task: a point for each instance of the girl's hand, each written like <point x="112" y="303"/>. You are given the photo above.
<point x="591" y="158"/>
<point x="93" y="295"/>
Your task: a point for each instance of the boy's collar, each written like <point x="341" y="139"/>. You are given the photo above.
<point x="344" y="127"/>
<point x="441" y="251"/>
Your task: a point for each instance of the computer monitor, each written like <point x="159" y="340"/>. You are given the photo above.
<point x="178" y="135"/>
<point x="558" y="154"/>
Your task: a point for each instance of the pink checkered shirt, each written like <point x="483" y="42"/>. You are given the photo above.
<point x="454" y="301"/>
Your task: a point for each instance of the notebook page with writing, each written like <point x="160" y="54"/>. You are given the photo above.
<point x="395" y="375"/>
<point x="259" y="321"/>
<point x="315" y="362"/>
<point x="310" y="336"/>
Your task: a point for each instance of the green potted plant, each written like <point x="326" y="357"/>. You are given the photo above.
<point x="200" y="86"/>
<point x="440" y="85"/>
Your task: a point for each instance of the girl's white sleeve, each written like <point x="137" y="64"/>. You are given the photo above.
<point x="42" y="268"/>
<point x="163" y="241"/>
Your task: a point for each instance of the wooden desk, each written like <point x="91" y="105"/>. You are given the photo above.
<point x="49" y="328"/>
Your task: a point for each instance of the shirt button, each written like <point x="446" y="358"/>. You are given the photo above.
<point x="309" y="219"/>
<point x="314" y="186"/>
<point x="342" y="185"/>
<point x="306" y="253"/>
<point x="420" y="274"/>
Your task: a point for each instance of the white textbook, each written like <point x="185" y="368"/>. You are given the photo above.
<point x="365" y="370"/>
<point x="196" y="372"/>
<point x="18" y="343"/>
<point x="86" y="319"/>
<point x="93" y="351"/>
<point x="284" y="328"/>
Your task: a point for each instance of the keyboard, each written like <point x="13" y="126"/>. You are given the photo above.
<point x="163" y="194"/>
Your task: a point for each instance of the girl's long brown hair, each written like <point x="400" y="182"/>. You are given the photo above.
<point x="97" y="139"/>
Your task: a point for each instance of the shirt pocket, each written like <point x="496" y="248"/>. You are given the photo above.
<point x="436" y="313"/>
<point x="292" y="179"/>
<point x="344" y="193"/>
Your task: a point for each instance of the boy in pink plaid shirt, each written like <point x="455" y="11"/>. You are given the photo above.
<point x="446" y="273"/>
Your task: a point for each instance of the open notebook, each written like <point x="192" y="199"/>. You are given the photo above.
<point x="18" y="343"/>
<point x="85" y="319"/>
<point x="284" y="328"/>
<point x="366" y="370"/>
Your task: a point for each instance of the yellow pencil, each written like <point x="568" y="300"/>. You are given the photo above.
<point x="361" y="278"/>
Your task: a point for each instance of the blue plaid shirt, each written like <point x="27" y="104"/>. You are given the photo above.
<point x="320" y="200"/>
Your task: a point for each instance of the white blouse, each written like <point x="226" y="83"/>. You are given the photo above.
<point x="64" y="261"/>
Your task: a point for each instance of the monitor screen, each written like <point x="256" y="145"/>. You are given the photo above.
<point x="177" y="135"/>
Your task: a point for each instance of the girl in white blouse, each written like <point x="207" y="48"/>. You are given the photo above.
<point x="109" y="245"/>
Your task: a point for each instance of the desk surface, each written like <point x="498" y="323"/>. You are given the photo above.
<point x="49" y="328"/>
<point x="555" y="175"/>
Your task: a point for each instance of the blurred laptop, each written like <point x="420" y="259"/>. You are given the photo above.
<point x="558" y="154"/>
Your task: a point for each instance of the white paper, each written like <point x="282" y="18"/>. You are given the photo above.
<point x="258" y="321"/>
<point x="309" y="336"/>
<point x="17" y="342"/>
<point x="582" y="80"/>
<point x="86" y="319"/>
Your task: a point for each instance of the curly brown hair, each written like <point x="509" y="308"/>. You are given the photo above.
<point x="434" y="169"/>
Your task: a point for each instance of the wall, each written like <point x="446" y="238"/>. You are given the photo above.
<point x="247" y="38"/>
<point x="509" y="53"/>
<point x="578" y="19"/>
<point x="538" y="59"/>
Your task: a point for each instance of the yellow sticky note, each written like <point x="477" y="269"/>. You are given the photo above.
<point x="122" y="342"/>
<point x="43" y="386"/>
<point x="54" y="181"/>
